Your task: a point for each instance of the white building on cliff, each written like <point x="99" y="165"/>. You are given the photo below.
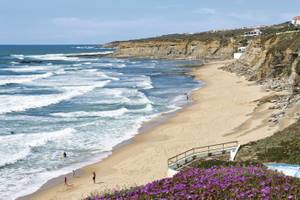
<point x="296" y="21"/>
<point x="253" y="33"/>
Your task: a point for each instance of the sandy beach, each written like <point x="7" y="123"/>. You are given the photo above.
<point x="225" y="109"/>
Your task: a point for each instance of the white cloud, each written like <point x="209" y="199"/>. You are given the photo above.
<point x="205" y="11"/>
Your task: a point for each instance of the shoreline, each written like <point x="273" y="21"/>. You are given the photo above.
<point x="145" y="126"/>
<point x="151" y="147"/>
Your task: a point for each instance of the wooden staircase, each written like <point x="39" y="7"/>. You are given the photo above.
<point x="183" y="159"/>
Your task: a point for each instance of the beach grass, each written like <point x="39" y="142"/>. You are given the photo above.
<point x="282" y="147"/>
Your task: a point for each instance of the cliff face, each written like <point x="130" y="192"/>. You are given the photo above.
<point x="274" y="62"/>
<point x="182" y="49"/>
<point x="271" y="60"/>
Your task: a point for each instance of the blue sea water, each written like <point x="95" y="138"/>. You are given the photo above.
<point x="52" y="99"/>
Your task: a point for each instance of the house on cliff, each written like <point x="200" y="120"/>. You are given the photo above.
<point x="296" y="21"/>
<point x="253" y="33"/>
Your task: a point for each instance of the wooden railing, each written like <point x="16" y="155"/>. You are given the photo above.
<point x="204" y="151"/>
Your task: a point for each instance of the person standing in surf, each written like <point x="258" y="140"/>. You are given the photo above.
<point x="187" y="96"/>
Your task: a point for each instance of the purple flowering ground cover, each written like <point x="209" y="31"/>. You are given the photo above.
<point x="215" y="183"/>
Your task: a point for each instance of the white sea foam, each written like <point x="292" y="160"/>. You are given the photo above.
<point x="13" y="150"/>
<point x="17" y="103"/>
<point x="14" y="63"/>
<point x="53" y="57"/>
<point x="87" y="63"/>
<point x="95" y="72"/>
<point x="142" y="99"/>
<point x="23" y="78"/>
<point x="28" y="68"/>
<point x="86" y="47"/>
<point x="141" y="81"/>
<point x="77" y="65"/>
<point x="62" y="57"/>
<point x="116" y="65"/>
<point x="146" y="83"/>
<point x="18" y="56"/>
<point x="135" y="97"/>
<point x="108" y="113"/>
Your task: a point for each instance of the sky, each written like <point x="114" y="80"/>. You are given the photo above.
<point x="101" y="21"/>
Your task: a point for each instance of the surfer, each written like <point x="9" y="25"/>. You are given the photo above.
<point x="64" y="154"/>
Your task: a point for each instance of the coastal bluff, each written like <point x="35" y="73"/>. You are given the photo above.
<point x="271" y="59"/>
<point x="175" y="49"/>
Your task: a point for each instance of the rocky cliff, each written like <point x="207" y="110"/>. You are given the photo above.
<point x="183" y="49"/>
<point x="206" y="45"/>
<point x="272" y="60"/>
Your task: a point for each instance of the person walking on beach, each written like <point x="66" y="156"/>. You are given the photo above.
<point x="73" y="173"/>
<point x="66" y="181"/>
<point x="94" y="177"/>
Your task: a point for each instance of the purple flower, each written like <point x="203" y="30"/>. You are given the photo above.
<point x="215" y="183"/>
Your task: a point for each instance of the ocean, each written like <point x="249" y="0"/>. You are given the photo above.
<point x="63" y="98"/>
